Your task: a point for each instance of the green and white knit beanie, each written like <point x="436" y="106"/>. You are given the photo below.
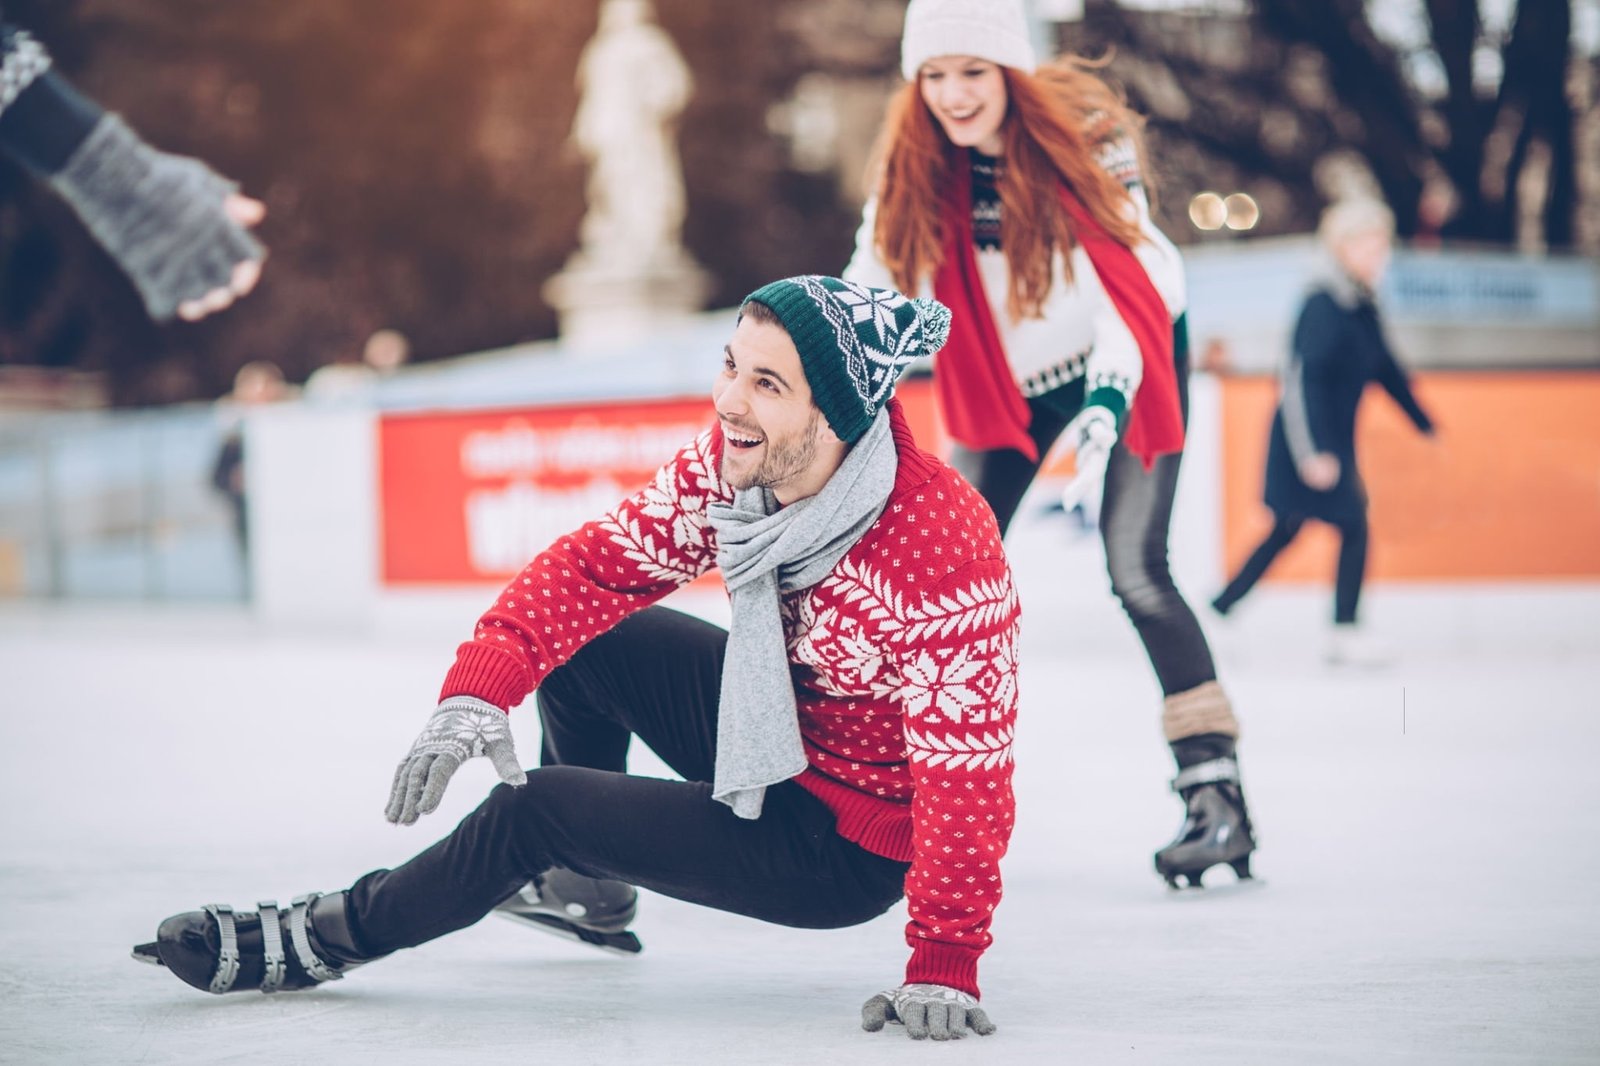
<point x="854" y="342"/>
<point x="996" y="30"/>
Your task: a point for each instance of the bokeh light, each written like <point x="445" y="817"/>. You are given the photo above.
<point x="1241" y="211"/>
<point x="1207" y="211"/>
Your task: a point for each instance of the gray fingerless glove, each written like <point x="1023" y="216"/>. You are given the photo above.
<point x="935" y="1011"/>
<point x="160" y="216"/>
<point x="461" y="727"/>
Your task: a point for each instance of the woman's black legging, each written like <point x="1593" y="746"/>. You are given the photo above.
<point x="1347" y="584"/>
<point x="1135" y="514"/>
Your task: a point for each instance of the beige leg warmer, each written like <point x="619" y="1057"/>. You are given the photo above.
<point x="1202" y="709"/>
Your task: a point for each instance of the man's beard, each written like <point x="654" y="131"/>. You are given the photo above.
<point x="783" y="460"/>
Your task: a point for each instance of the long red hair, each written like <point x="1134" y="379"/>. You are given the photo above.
<point x="1054" y="120"/>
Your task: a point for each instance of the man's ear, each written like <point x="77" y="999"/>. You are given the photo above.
<point x="826" y="435"/>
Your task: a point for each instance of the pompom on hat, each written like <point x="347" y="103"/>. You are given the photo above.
<point x="854" y="341"/>
<point x="995" y="30"/>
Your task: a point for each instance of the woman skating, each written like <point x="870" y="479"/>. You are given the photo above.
<point x="1019" y="197"/>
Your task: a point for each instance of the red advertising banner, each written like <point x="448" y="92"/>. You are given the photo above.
<point x="468" y="497"/>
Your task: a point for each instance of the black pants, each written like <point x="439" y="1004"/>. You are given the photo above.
<point x="655" y="676"/>
<point x="1347" y="581"/>
<point x="1135" y="513"/>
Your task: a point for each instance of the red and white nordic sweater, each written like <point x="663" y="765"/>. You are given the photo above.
<point x="904" y="659"/>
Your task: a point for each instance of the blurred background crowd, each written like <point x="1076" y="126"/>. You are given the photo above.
<point x="416" y="164"/>
<point x="425" y="177"/>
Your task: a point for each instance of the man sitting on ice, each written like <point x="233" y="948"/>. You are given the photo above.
<point x="846" y="742"/>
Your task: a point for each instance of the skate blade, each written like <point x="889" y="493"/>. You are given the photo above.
<point x="1190" y="885"/>
<point x="147" y="954"/>
<point x="1220" y="890"/>
<point x="623" y="943"/>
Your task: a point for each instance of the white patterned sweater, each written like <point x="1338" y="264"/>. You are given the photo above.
<point x="1078" y="331"/>
<point x="904" y="660"/>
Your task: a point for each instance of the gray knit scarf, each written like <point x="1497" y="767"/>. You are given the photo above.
<point x="764" y="552"/>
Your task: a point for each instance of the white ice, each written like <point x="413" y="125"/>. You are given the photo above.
<point x="1428" y="870"/>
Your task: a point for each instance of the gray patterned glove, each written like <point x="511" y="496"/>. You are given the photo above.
<point x="461" y="727"/>
<point x="160" y="216"/>
<point x="927" y="1011"/>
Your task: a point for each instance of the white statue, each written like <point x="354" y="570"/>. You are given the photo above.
<point x="633" y="84"/>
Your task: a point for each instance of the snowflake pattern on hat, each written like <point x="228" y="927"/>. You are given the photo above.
<point x="874" y="357"/>
<point x="854" y="341"/>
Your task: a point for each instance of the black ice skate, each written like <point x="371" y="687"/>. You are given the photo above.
<point x="1216" y="824"/>
<point x="590" y="909"/>
<point x="219" y="950"/>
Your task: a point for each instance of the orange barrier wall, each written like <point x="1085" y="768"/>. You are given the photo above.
<point x="1510" y="488"/>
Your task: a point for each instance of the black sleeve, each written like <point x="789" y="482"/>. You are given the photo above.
<point x="47" y="121"/>
<point x="1396" y="384"/>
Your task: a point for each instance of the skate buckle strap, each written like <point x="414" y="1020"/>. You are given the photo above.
<point x="1206" y="773"/>
<point x="271" y="946"/>
<point x="228" y="957"/>
<point x="301" y="942"/>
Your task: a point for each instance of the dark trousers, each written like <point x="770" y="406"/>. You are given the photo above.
<point x="1348" y="578"/>
<point x="655" y="676"/>
<point x="1135" y="513"/>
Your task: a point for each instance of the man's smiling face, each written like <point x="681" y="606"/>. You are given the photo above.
<point x="774" y="435"/>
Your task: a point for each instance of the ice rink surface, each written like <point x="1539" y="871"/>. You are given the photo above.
<point x="1429" y="866"/>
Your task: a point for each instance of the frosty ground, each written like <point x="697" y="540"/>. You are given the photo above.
<point x="1428" y="862"/>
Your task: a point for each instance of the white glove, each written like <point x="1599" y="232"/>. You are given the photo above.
<point x="927" y="1011"/>
<point x="461" y="727"/>
<point x="1093" y="433"/>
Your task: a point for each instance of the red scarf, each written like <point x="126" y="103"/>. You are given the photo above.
<point x="983" y="408"/>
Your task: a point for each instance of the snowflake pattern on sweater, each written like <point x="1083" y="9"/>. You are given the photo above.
<point x="904" y="661"/>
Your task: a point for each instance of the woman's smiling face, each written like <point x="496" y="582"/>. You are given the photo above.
<point x="968" y="98"/>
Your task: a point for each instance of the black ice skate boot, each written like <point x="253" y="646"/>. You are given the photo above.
<point x="591" y="909"/>
<point x="1216" y="824"/>
<point x="219" y="950"/>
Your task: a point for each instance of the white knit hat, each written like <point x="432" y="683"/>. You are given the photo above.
<point x="995" y="30"/>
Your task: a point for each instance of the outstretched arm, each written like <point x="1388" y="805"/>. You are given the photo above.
<point x="959" y="698"/>
<point x="1395" y="382"/>
<point x="1116" y="365"/>
<point x="578" y="588"/>
<point x="589" y="580"/>
<point x="175" y="227"/>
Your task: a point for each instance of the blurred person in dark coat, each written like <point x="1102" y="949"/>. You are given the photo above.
<point x="257" y="382"/>
<point x="1338" y="348"/>
<point x="175" y="227"/>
